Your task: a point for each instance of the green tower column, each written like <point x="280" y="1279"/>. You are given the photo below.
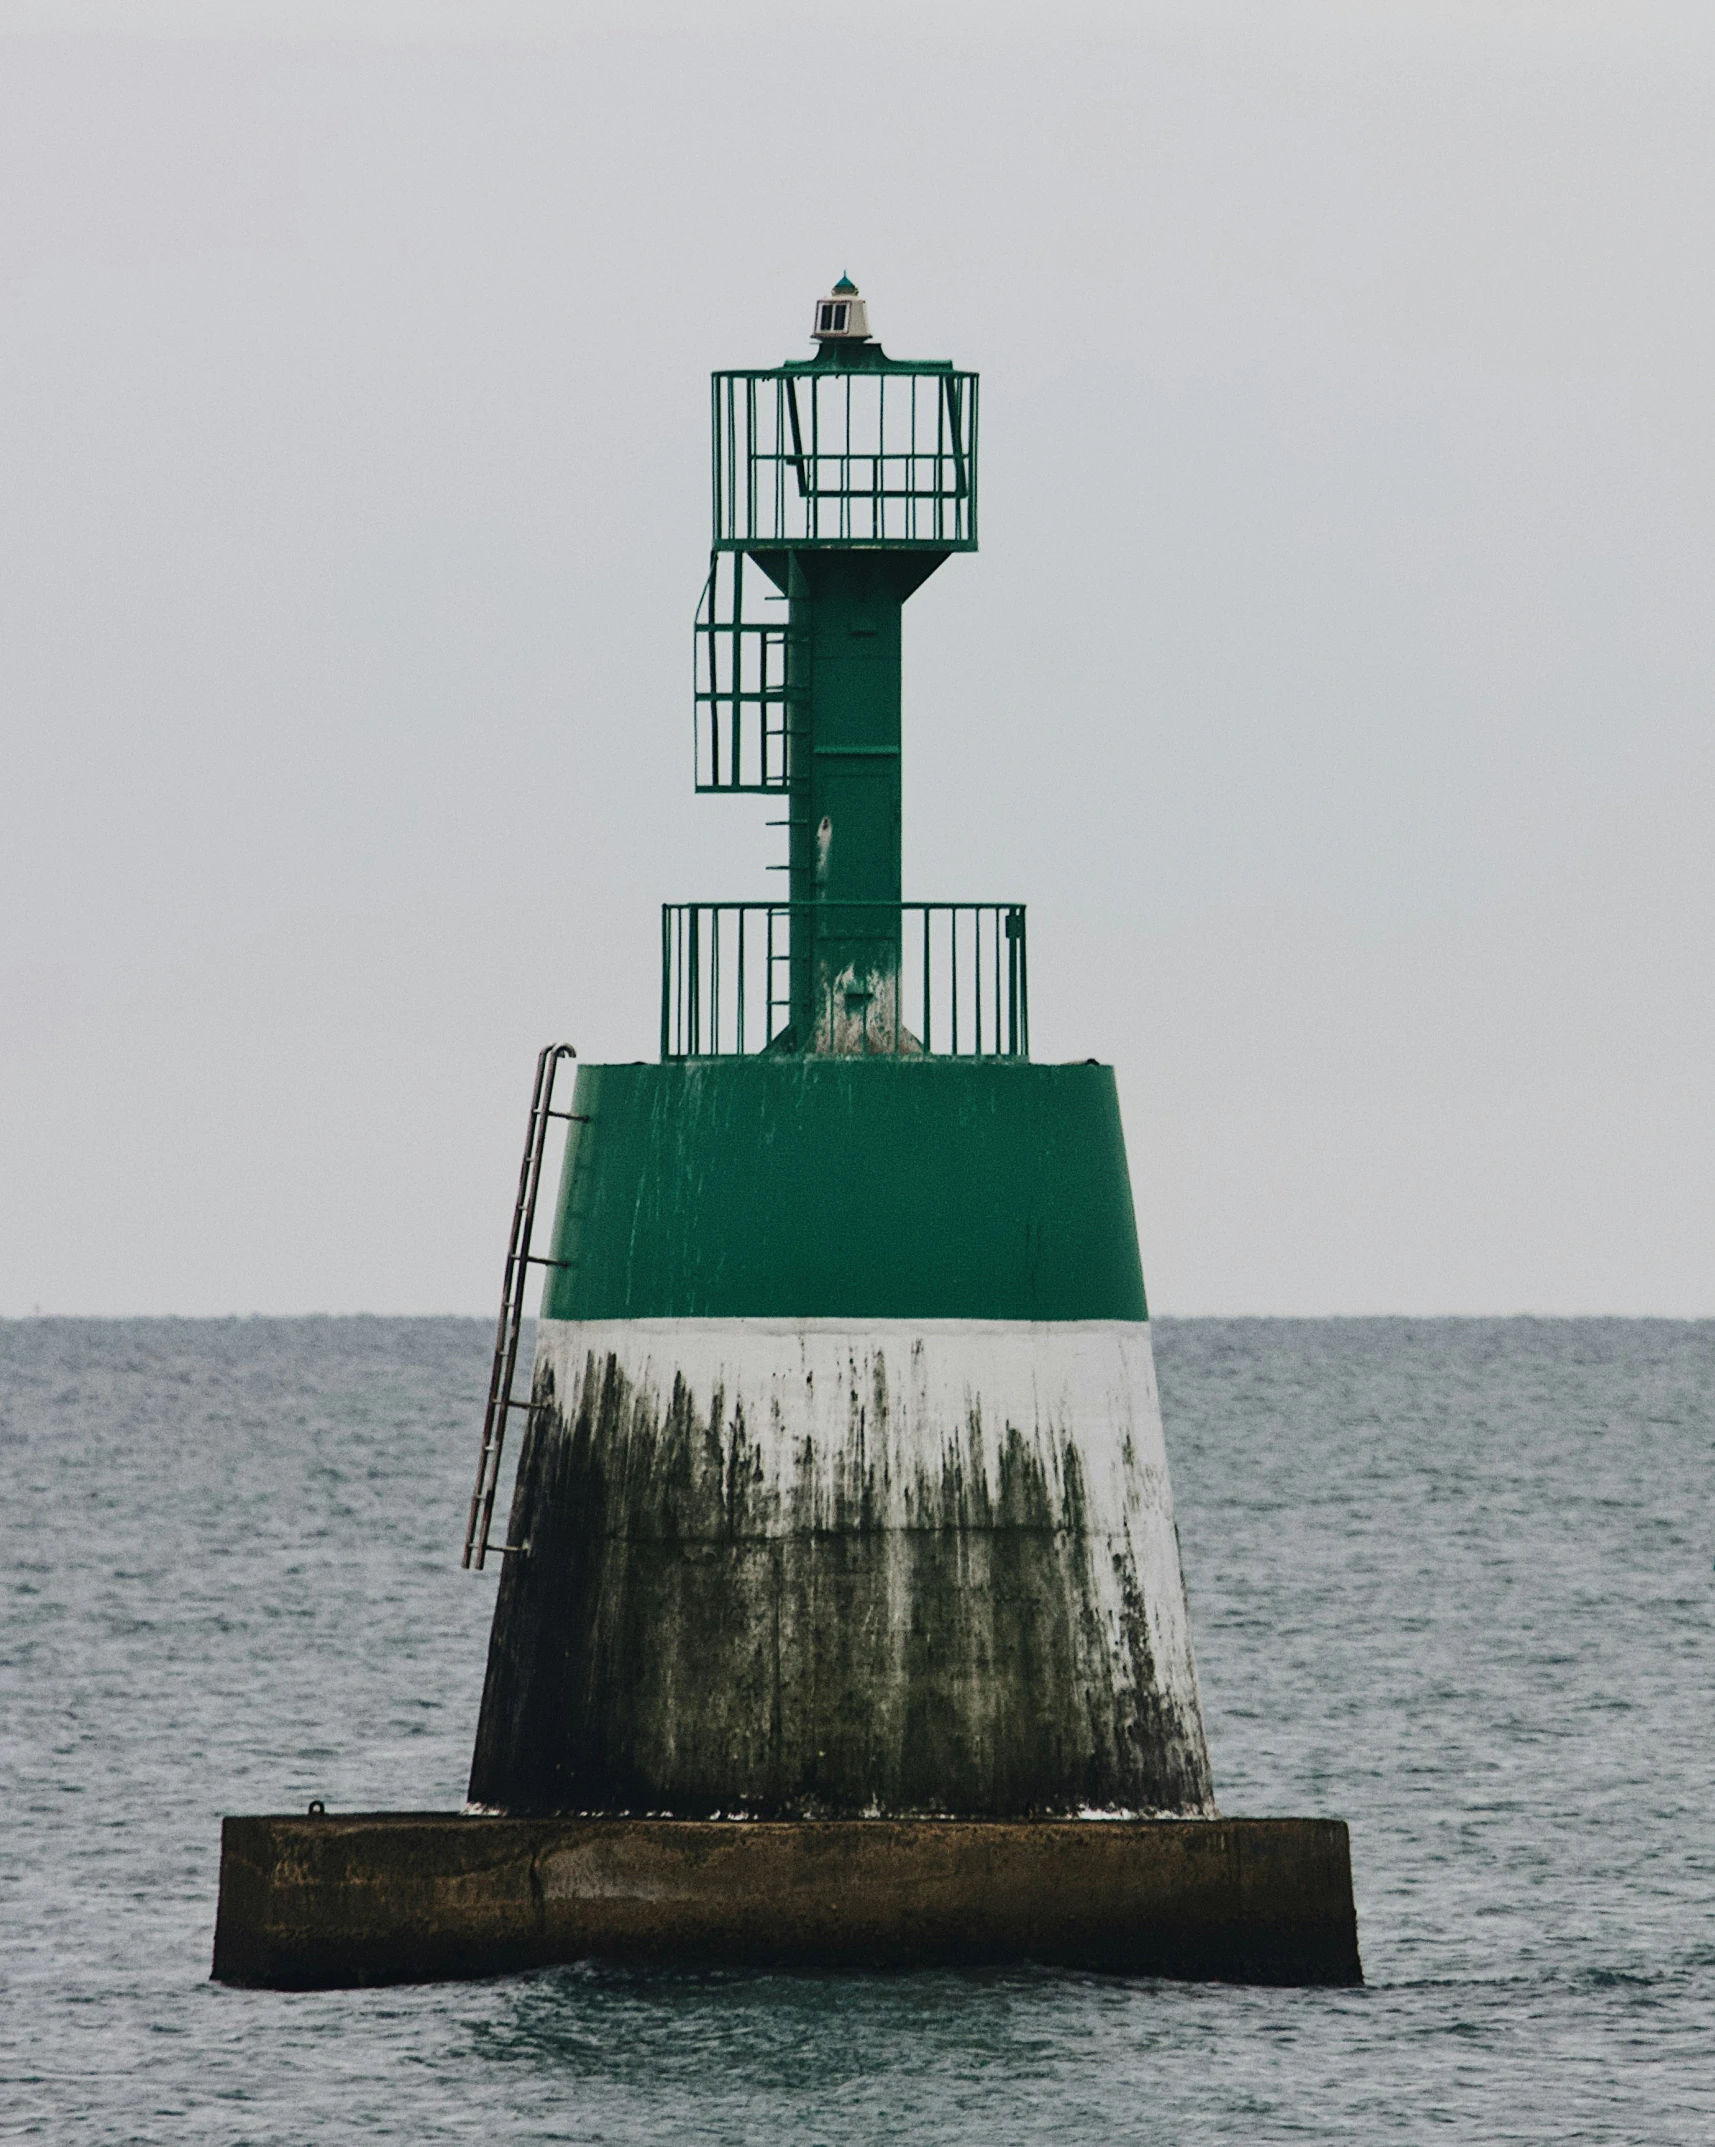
<point x="843" y="758"/>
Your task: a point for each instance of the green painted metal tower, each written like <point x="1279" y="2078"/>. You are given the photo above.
<point x="840" y="483"/>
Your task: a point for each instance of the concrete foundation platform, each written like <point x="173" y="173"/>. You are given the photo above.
<point x="407" y="1897"/>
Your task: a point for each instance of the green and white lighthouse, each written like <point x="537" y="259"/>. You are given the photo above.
<point x="840" y="1616"/>
<point x="842" y="1490"/>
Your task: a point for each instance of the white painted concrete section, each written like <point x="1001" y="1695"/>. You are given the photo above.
<point x="816" y="1413"/>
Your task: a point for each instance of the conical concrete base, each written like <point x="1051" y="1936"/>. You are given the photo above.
<point x="844" y="1493"/>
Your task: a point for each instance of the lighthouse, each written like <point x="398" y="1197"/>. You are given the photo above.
<point x="842" y="1490"/>
<point x="840" y="1616"/>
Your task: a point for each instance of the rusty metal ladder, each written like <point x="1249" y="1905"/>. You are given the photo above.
<point x="519" y="1261"/>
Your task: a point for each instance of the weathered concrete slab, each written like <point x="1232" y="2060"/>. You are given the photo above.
<point x="406" y="1897"/>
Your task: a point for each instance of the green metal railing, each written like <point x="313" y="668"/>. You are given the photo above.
<point x="740" y="686"/>
<point x="882" y="454"/>
<point x="741" y="978"/>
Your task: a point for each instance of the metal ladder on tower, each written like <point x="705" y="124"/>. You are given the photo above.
<point x="519" y="1261"/>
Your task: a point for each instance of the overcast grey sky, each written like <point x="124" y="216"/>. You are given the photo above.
<point x="1334" y="681"/>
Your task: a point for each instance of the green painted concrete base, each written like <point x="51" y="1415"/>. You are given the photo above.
<point x="846" y="1188"/>
<point x="325" y="1902"/>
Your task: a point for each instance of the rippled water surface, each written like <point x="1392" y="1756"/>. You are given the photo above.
<point x="1450" y="1580"/>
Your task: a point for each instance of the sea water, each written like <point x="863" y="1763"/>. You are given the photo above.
<point x="1450" y="1580"/>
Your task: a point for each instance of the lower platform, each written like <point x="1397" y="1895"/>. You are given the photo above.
<point x="407" y="1897"/>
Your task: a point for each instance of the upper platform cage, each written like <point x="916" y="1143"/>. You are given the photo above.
<point x="847" y="450"/>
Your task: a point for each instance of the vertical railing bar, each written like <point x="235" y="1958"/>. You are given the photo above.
<point x="1024" y="984"/>
<point x="737" y="659"/>
<point x="750" y="479"/>
<point x="911" y="465"/>
<point x="738" y="464"/>
<point x="993" y="918"/>
<point x="812" y="483"/>
<point x="877" y="487"/>
<point x="971" y="463"/>
<point x="731" y="435"/>
<point x="978" y="966"/>
<point x="715" y="487"/>
<point x="715" y="915"/>
<point x="916" y="478"/>
<point x="735" y="971"/>
<point x="945" y="451"/>
<point x="996" y="934"/>
<point x="665" y="972"/>
<point x="928" y="1045"/>
<point x="953" y="951"/>
<point x="720" y="650"/>
<point x="695" y="972"/>
<point x="877" y="477"/>
<point x="1012" y="983"/>
<point x="1021" y="1030"/>
<point x="977" y="921"/>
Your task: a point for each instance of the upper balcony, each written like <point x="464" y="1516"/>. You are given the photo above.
<point x="846" y="451"/>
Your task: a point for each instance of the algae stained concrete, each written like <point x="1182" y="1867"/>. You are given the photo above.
<point x="325" y="1902"/>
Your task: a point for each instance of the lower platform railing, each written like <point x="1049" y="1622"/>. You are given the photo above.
<point x="946" y="979"/>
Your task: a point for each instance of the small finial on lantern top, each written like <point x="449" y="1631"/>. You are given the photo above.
<point x="842" y="317"/>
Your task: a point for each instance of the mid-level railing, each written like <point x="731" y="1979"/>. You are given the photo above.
<point x="884" y="978"/>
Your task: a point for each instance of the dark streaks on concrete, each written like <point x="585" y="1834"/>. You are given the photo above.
<point x="684" y="1637"/>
